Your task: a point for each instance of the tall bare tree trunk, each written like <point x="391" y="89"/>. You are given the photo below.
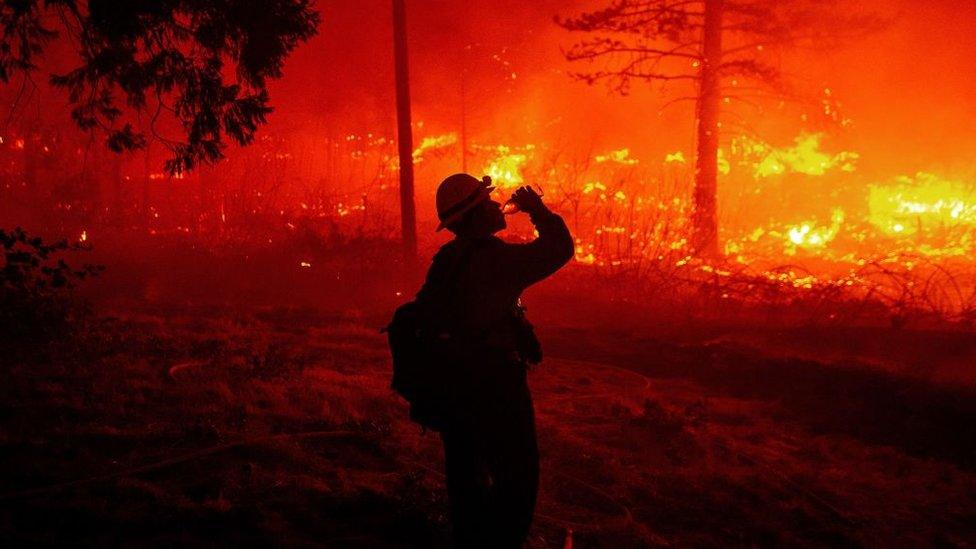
<point x="705" y="217"/>
<point x="408" y="215"/>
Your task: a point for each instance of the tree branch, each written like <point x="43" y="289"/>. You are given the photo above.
<point x="605" y="46"/>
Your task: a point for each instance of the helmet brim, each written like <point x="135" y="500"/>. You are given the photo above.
<point x="483" y="194"/>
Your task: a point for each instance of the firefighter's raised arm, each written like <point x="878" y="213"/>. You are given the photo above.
<point x="543" y="256"/>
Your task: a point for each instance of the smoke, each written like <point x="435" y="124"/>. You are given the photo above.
<point x="905" y="88"/>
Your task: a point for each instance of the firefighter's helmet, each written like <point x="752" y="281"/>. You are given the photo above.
<point x="458" y="194"/>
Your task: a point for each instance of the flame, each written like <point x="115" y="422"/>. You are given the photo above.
<point x="677" y="156"/>
<point x="584" y="258"/>
<point x="621" y="156"/>
<point x="804" y="157"/>
<point x="809" y="235"/>
<point x="505" y="168"/>
<point x="724" y="166"/>
<point x="593" y="186"/>
<point x="433" y="142"/>
<point x="925" y="201"/>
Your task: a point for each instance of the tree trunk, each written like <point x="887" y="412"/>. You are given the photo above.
<point x="118" y="190"/>
<point x="464" y="123"/>
<point x="408" y="216"/>
<point x="146" y="182"/>
<point x="705" y="217"/>
<point x="31" y="180"/>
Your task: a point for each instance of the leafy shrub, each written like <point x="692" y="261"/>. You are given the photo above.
<point x="35" y="287"/>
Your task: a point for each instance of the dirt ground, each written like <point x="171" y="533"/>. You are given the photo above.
<point x="202" y="425"/>
<point x="234" y="398"/>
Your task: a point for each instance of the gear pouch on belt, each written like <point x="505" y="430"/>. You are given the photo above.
<point x="526" y="343"/>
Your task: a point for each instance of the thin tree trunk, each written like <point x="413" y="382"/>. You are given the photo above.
<point x="118" y="190"/>
<point x="705" y="217"/>
<point x="146" y="182"/>
<point x="408" y="216"/>
<point x="464" y="123"/>
<point x="29" y="153"/>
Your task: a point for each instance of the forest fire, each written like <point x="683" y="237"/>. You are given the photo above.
<point x="744" y="232"/>
<point x="910" y="216"/>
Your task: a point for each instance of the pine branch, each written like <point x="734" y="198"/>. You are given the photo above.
<point x="606" y="46"/>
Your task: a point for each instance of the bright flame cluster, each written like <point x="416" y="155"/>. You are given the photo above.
<point x="433" y="142"/>
<point x="804" y="157"/>
<point x="505" y="169"/>
<point x="810" y="235"/>
<point x="919" y="203"/>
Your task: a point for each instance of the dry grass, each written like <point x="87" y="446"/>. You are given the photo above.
<point x="204" y="426"/>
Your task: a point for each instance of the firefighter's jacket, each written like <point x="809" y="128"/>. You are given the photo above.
<point x="479" y="280"/>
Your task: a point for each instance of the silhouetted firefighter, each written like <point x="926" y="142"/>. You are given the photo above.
<point x="461" y="351"/>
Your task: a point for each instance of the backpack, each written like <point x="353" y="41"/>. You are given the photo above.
<point x="425" y="354"/>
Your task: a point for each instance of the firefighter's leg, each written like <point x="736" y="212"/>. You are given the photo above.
<point x="467" y="486"/>
<point x="514" y="464"/>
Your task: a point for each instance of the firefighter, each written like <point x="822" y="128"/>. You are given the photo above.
<point x="490" y="451"/>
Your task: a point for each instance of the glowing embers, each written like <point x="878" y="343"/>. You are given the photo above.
<point x="505" y="165"/>
<point x="584" y="253"/>
<point x="159" y="176"/>
<point x="925" y="203"/>
<point x="676" y="157"/>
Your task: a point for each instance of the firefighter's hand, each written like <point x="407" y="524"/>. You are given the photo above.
<point x="527" y="200"/>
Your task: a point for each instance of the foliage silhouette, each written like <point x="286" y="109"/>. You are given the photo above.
<point x="35" y="285"/>
<point x="205" y="63"/>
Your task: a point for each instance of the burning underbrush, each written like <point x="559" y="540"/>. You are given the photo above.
<point x="801" y="232"/>
<point x="804" y="234"/>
